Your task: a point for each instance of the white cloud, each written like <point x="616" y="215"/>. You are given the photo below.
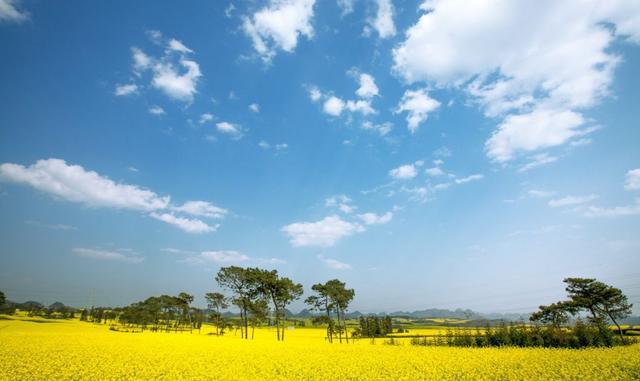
<point x="278" y="26"/>
<point x="368" y="88"/>
<point x="221" y="256"/>
<point x="434" y="171"/>
<point x="206" y="117"/>
<point x="323" y="233"/>
<point x="468" y="179"/>
<point x="228" y="11"/>
<point x="572" y="200"/>
<point x="537" y="66"/>
<point x="224" y="256"/>
<point x="201" y="209"/>
<point x="74" y="183"/>
<point x="341" y="202"/>
<point x="281" y="146"/>
<point x="177" y="85"/>
<point x="374" y="219"/>
<point x="156" y="110"/>
<point x="314" y="93"/>
<point x="541" y="128"/>
<point x="382" y="129"/>
<point x="361" y="106"/>
<point x="9" y="11"/>
<point x="333" y="106"/>
<point x="178" y="46"/>
<point x="346" y="6"/>
<point x="128" y="89"/>
<point x="404" y="172"/>
<point x="418" y="104"/>
<point x="230" y="129"/>
<point x="264" y="145"/>
<point x="538" y="161"/>
<point x="173" y="74"/>
<point x="186" y="224"/>
<point x="254" y="107"/>
<point x="383" y="22"/>
<point x="633" y="180"/>
<point x="333" y="263"/>
<point x="618" y="211"/>
<point x="539" y="193"/>
<point x="141" y="61"/>
<point x="106" y="255"/>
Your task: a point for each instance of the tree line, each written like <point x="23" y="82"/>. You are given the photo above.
<point x="262" y="296"/>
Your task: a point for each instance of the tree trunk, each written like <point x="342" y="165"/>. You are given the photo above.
<point x="617" y="325"/>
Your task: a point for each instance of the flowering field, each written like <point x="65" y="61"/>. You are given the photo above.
<point x="71" y="350"/>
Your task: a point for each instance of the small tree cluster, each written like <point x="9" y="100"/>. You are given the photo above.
<point x="374" y="326"/>
<point x="256" y="293"/>
<point x="332" y="298"/>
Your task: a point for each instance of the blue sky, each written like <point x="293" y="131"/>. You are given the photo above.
<point x="429" y="153"/>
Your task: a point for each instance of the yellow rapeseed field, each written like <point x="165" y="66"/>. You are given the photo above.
<point x="72" y="350"/>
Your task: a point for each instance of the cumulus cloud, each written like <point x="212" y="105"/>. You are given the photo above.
<point x="368" y="87"/>
<point x="572" y="200"/>
<point x="227" y="256"/>
<point x="618" y="211"/>
<point x="177" y="84"/>
<point x="156" y="110"/>
<point x="74" y="183"/>
<point x="334" y="263"/>
<point x="346" y="6"/>
<point x="221" y="257"/>
<point x="189" y="225"/>
<point x="383" y="21"/>
<point x="434" y="171"/>
<point x="374" y="219"/>
<point x="632" y="180"/>
<point x="108" y="255"/>
<point x="333" y="106"/>
<point x="406" y="171"/>
<point x="278" y="26"/>
<point x="418" y="104"/>
<point x="254" y="107"/>
<point x="540" y="128"/>
<point x="123" y="90"/>
<point x="342" y="202"/>
<point x="230" y="129"/>
<point x="205" y="118"/>
<point x="323" y="233"/>
<point x="174" y="73"/>
<point x="382" y="129"/>
<point x="201" y="209"/>
<point x="314" y="93"/>
<point x="536" y="68"/>
<point x="10" y="11"/>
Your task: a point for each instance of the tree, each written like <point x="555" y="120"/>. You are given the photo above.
<point x="281" y="292"/>
<point x="259" y="310"/>
<point x="556" y="314"/>
<point x="601" y="300"/>
<point x="321" y="301"/>
<point x="185" y="300"/>
<point x="243" y="284"/>
<point x="332" y="296"/>
<point x="216" y="302"/>
<point x="341" y="297"/>
<point x="3" y="299"/>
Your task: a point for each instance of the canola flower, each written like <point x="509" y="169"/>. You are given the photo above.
<point x="72" y="350"/>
